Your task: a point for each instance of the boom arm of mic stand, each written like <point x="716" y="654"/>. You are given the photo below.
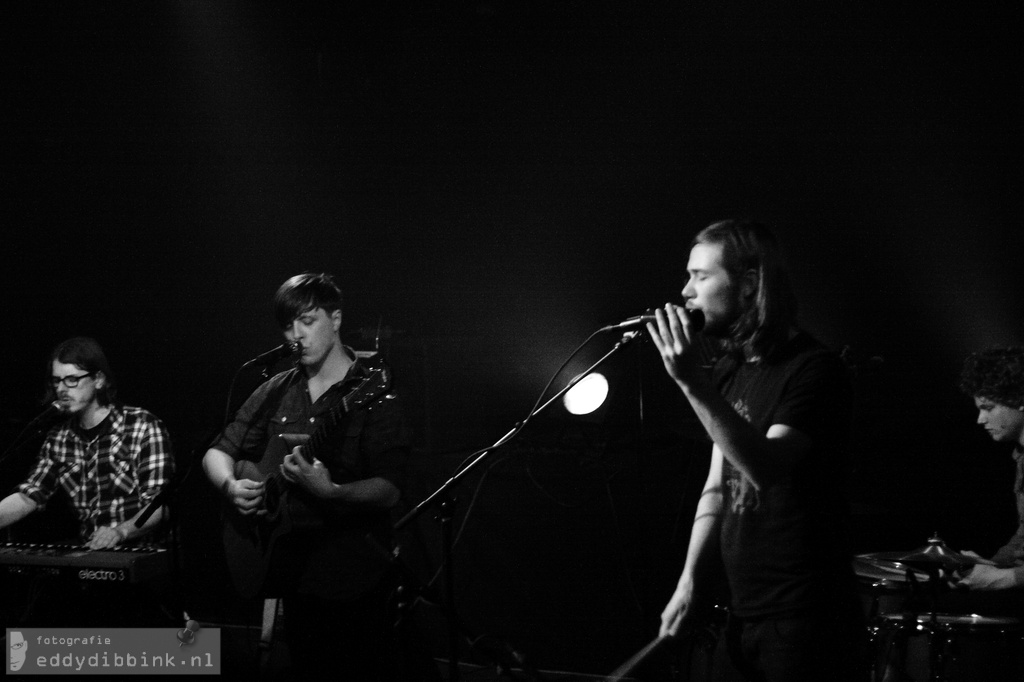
<point x="34" y="429"/>
<point x="483" y="454"/>
<point x="157" y="502"/>
<point x="441" y="496"/>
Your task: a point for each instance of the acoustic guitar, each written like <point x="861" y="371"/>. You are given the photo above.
<point x="250" y="540"/>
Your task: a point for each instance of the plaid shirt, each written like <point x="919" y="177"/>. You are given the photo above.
<point x="109" y="477"/>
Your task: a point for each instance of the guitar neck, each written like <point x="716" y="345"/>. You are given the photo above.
<point x="312" y="448"/>
<point x="370" y="388"/>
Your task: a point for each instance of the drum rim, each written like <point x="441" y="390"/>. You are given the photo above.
<point x="945" y="618"/>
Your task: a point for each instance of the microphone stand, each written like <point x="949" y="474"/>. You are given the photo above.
<point x="160" y="500"/>
<point x="446" y="503"/>
<point x="168" y="497"/>
<point x="35" y="428"/>
<point x="32" y="431"/>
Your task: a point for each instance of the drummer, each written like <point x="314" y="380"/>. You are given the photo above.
<point x="995" y="379"/>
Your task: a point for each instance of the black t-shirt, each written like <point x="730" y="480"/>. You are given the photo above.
<point x="89" y="434"/>
<point x="784" y="547"/>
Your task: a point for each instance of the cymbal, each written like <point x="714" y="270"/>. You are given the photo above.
<point x="884" y="572"/>
<point x="932" y="556"/>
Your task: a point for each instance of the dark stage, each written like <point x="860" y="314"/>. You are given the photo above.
<point x="491" y="182"/>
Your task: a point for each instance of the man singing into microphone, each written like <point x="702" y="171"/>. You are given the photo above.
<point x="335" y="584"/>
<point x="776" y="407"/>
<point x="110" y="460"/>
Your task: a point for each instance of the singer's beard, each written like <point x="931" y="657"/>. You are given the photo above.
<point x="717" y="328"/>
<point x="70" y="406"/>
<point x="721" y="319"/>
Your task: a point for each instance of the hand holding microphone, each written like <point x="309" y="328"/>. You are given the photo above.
<point x="695" y="315"/>
<point x="673" y="332"/>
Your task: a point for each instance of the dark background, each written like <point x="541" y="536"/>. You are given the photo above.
<point x="491" y="182"/>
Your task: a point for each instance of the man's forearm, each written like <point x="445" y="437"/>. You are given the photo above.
<point x="706" y="522"/>
<point x="371" y="492"/>
<point x="1007" y="554"/>
<point x="219" y="467"/>
<point x="752" y="453"/>
<point x="15" y="507"/>
<point x="703" y="535"/>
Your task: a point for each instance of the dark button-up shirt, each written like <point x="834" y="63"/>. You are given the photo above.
<point x="1012" y="553"/>
<point x="370" y="441"/>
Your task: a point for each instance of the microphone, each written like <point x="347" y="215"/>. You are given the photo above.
<point x="275" y="354"/>
<point x="696" y="321"/>
<point x="53" y="410"/>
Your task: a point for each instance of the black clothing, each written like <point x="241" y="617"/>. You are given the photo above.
<point x="336" y="560"/>
<point x="784" y="546"/>
<point x="795" y="611"/>
<point x="337" y="584"/>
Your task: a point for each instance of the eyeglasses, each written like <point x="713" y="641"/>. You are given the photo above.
<point x="70" y="381"/>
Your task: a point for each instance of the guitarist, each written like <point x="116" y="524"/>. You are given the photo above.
<point x="335" y="585"/>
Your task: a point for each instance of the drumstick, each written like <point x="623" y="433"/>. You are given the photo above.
<point x="639" y="657"/>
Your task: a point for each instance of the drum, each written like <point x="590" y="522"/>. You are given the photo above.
<point x="946" y="646"/>
<point x="884" y="584"/>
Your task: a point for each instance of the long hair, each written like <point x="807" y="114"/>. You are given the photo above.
<point x="87" y="354"/>
<point x="747" y="245"/>
<point x="305" y="292"/>
<point x="995" y="374"/>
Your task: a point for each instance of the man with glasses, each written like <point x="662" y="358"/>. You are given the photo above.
<point x="110" y="460"/>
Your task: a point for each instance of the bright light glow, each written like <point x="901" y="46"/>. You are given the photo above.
<point x="587" y="395"/>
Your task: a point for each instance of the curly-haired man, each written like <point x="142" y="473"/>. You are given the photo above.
<point x="995" y="379"/>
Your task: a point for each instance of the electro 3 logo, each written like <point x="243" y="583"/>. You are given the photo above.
<point x="93" y="574"/>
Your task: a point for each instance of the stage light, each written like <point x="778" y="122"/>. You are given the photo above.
<point x="586" y="396"/>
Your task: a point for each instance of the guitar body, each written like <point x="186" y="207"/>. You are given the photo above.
<point x="250" y="541"/>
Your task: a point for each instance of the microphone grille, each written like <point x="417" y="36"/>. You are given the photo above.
<point x="696" y="318"/>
